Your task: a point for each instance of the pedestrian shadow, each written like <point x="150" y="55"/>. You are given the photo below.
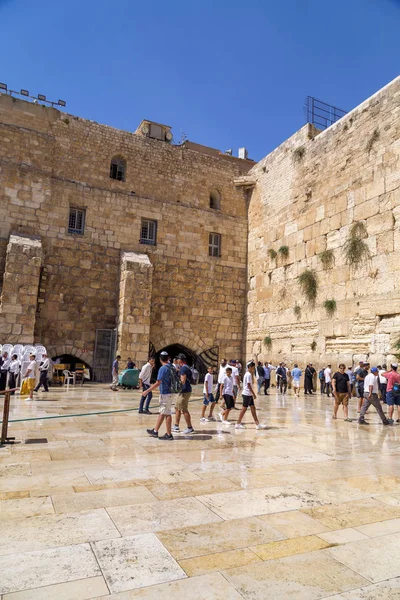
<point x="193" y="438"/>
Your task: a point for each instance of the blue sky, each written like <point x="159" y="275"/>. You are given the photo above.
<point x="227" y="73"/>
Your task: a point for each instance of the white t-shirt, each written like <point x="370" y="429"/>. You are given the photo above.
<point x="222" y="373"/>
<point x="371" y="380"/>
<point x="208" y="384"/>
<point x="33" y="369"/>
<point x="235" y="375"/>
<point x="14" y="367"/>
<point x="381" y="378"/>
<point x="247" y="380"/>
<point x="228" y="385"/>
<point x="328" y="375"/>
<point x="145" y="373"/>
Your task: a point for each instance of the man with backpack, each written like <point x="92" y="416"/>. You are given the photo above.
<point x="393" y="390"/>
<point x="164" y="382"/>
<point x="281" y="378"/>
<point x="182" y="402"/>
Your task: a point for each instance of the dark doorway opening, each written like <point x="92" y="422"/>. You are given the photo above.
<point x="72" y="361"/>
<point x="193" y="360"/>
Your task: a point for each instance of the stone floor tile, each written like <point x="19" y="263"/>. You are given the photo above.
<point x="382" y="528"/>
<point x="378" y="558"/>
<point x="294" y="523"/>
<point x="134" y="562"/>
<point x="300" y="545"/>
<point x="37" y="533"/>
<point x="83" y="589"/>
<point x="102" y="498"/>
<point x="108" y="475"/>
<point x="25" y="507"/>
<point x="353" y="514"/>
<point x="342" y="536"/>
<point x="42" y="568"/>
<point x="170" y="491"/>
<point x="387" y="590"/>
<point x="161" y="516"/>
<point x="212" y="586"/>
<point x="219" y="561"/>
<point x="302" y="577"/>
<point x="224" y="536"/>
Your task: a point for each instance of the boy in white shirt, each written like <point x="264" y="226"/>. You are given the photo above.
<point x="248" y="397"/>
<point x="226" y="390"/>
<point x="208" y="397"/>
<point x="31" y="375"/>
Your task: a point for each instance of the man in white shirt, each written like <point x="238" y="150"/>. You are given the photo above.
<point x="14" y="371"/>
<point x="236" y="379"/>
<point x="371" y="397"/>
<point x="144" y="382"/>
<point x="328" y="380"/>
<point x="44" y="369"/>
<point x="208" y="397"/>
<point x="221" y="375"/>
<point x="31" y="374"/>
<point x="5" y="362"/>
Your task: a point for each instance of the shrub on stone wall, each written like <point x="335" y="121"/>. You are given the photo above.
<point x="267" y="342"/>
<point x="284" y="251"/>
<point x="309" y="285"/>
<point x="355" y="248"/>
<point x="327" y="259"/>
<point x="330" y="307"/>
<point x="272" y="253"/>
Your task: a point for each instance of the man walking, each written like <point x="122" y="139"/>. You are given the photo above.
<point x="5" y="362"/>
<point x="14" y="372"/>
<point x="371" y="397"/>
<point x="308" y="379"/>
<point x="144" y="383"/>
<point x="260" y="376"/>
<point x="296" y="374"/>
<point x="221" y="375"/>
<point x="44" y="371"/>
<point x="182" y="402"/>
<point x="328" y="380"/>
<point x="267" y="378"/>
<point x="281" y="374"/>
<point x="382" y="382"/>
<point x="341" y="392"/>
<point x="164" y="382"/>
<point x="114" y="374"/>
<point x="360" y="373"/>
<point x="392" y="391"/>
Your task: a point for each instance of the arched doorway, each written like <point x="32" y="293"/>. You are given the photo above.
<point x="199" y="361"/>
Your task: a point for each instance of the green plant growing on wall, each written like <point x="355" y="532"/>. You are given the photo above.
<point x="355" y="248"/>
<point x="313" y="346"/>
<point x="267" y="342"/>
<point x="327" y="259"/>
<point x="309" y="285"/>
<point x="330" y="307"/>
<point x="299" y="153"/>
<point x="284" y="251"/>
<point x="272" y="253"/>
<point x="297" y="311"/>
<point x="374" y="138"/>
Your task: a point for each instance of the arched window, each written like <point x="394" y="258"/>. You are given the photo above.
<point x="118" y="168"/>
<point x="215" y="199"/>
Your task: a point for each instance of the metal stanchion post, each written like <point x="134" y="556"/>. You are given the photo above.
<point x="6" y="411"/>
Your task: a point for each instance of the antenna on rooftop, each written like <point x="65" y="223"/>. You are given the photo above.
<point x="25" y="93"/>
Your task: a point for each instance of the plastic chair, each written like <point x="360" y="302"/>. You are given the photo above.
<point x="7" y="348"/>
<point x="18" y="349"/>
<point x="68" y="376"/>
<point x="40" y="349"/>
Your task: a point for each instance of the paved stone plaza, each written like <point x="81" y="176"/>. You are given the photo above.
<point x="307" y="509"/>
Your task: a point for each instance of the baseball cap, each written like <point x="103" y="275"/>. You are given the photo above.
<point x="374" y="370"/>
<point x="181" y="356"/>
<point x="395" y="365"/>
<point x="233" y="360"/>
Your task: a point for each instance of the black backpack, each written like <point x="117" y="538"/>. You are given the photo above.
<point x="176" y="384"/>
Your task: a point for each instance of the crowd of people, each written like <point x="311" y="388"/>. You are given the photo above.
<point x="371" y="385"/>
<point x="32" y="376"/>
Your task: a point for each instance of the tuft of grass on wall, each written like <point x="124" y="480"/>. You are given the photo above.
<point x="309" y="285"/>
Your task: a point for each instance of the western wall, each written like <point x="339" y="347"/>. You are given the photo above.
<point x="306" y="196"/>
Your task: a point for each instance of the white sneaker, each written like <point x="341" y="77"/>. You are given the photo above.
<point x="227" y="423"/>
<point x="221" y="416"/>
<point x="239" y="426"/>
<point x="203" y="420"/>
<point x="261" y="426"/>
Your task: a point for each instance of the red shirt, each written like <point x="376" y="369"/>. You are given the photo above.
<point x="392" y="378"/>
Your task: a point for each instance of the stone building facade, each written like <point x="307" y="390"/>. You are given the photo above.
<point x="306" y="196"/>
<point x="59" y="288"/>
<point x="62" y="288"/>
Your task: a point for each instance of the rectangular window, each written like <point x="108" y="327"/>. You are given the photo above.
<point x="76" y="222"/>
<point x="214" y="244"/>
<point x="148" y="232"/>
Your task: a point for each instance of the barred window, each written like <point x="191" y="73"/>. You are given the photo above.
<point x="118" y="168"/>
<point x="214" y="244"/>
<point x="148" y="232"/>
<point x="76" y="221"/>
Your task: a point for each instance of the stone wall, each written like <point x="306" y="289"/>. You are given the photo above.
<point x="50" y="161"/>
<point x="307" y="195"/>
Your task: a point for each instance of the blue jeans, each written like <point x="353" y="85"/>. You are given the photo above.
<point x="145" y="386"/>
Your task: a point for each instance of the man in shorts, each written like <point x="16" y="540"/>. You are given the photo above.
<point x="342" y="392"/>
<point x="392" y="399"/>
<point x="236" y="380"/>
<point x="208" y="397"/>
<point x="226" y="391"/>
<point x="296" y="374"/>
<point x="182" y="402"/>
<point x="248" y="397"/>
<point x="164" y="382"/>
